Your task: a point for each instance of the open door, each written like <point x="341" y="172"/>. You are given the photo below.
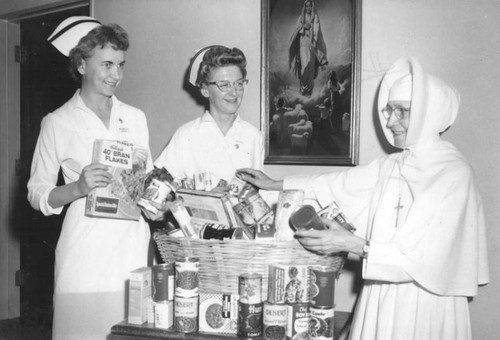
<point x="45" y="85"/>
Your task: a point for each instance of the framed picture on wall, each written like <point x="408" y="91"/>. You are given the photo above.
<point x="310" y="81"/>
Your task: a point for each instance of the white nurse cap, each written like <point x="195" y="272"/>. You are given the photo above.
<point x="70" y="31"/>
<point x="196" y="61"/>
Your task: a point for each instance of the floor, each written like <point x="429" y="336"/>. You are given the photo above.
<point x="16" y="329"/>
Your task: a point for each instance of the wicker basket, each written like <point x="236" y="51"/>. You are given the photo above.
<point x="221" y="262"/>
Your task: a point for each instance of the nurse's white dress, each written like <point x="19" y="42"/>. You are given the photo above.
<point x="94" y="256"/>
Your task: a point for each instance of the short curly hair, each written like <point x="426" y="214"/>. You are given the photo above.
<point x="220" y="56"/>
<point x="101" y="36"/>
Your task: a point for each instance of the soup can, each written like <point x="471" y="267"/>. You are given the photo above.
<point x="163" y="282"/>
<point x="274" y="321"/>
<point x="249" y="319"/>
<point x="322" y="286"/>
<point x="186" y="314"/>
<point x="186" y="276"/>
<point x="250" y="287"/>
<point x="321" y="323"/>
<point x="298" y="320"/>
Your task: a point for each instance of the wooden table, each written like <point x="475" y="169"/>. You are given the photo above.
<point x="148" y="331"/>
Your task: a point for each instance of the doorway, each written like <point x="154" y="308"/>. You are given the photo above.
<point x="45" y="85"/>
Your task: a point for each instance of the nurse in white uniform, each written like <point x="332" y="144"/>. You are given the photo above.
<point x="94" y="256"/>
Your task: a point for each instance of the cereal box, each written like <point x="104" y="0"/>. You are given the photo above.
<point x="218" y="313"/>
<point x="288" y="284"/>
<point x="127" y="163"/>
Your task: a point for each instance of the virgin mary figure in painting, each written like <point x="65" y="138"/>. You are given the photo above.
<point x="307" y="52"/>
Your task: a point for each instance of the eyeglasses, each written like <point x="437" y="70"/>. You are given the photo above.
<point x="226" y="86"/>
<point x="399" y="112"/>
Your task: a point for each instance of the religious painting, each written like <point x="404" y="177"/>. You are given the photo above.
<point x="310" y="81"/>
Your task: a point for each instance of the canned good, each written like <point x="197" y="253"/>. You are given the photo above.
<point x="219" y="232"/>
<point x="321" y="323"/>
<point x="186" y="276"/>
<point x="157" y="191"/>
<point x="250" y="287"/>
<point x="249" y="319"/>
<point x="322" y="286"/>
<point x="163" y="282"/>
<point x="186" y="314"/>
<point x="236" y="185"/>
<point x="274" y="321"/>
<point x="298" y="320"/>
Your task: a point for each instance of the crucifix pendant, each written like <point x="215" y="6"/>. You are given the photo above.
<point x="398" y="208"/>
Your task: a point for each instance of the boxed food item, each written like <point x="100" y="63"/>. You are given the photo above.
<point x="218" y="313"/>
<point x="127" y="163"/>
<point x="163" y="314"/>
<point x="288" y="283"/>
<point x="139" y="295"/>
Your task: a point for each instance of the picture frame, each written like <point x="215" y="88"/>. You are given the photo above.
<point x="310" y="81"/>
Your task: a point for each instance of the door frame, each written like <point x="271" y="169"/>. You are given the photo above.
<point x="10" y="147"/>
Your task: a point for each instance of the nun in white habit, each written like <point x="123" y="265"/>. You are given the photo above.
<point x="418" y="214"/>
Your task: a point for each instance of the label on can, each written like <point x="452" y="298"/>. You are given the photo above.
<point x="250" y="287"/>
<point x="321" y="323"/>
<point x="322" y="286"/>
<point x="275" y="320"/>
<point x="249" y="319"/>
<point x="186" y="314"/>
<point x="298" y="320"/>
<point x="163" y="282"/>
<point x="186" y="276"/>
<point x="218" y="232"/>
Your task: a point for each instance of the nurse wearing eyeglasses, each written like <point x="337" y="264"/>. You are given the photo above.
<point x="219" y="141"/>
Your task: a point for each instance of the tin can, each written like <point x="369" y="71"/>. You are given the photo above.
<point x="219" y="232"/>
<point x="157" y="191"/>
<point x="186" y="314"/>
<point x="250" y="287"/>
<point x="249" y="319"/>
<point x="298" y="320"/>
<point x="322" y="286"/>
<point x="186" y="276"/>
<point x="163" y="282"/>
<point x="321" y="323"/>
<point x="274" y="321"/>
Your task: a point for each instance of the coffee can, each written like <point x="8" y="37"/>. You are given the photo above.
<point x="322" y="286"/>
<point x="186" y="276"/>
<point x="321" y="323"/>
<point x="250" y="287"/>
<point x="163" y="282"/>
<point x="298" y="320"/>
<point x="249" y="319"/>
<point x="186" y="314"/>
<point x="274" y="321"/>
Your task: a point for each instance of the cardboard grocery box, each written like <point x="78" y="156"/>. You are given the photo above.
<point x="288" y="283"/>
<point x="218" y="313"/>
<point x="139" y="295"/>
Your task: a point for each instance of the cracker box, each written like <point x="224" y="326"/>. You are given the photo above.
<point x="127" y="163"/>
<point x="139" y="295"/>
<point x="218" y="313"/>
<point x="288" y="284"/>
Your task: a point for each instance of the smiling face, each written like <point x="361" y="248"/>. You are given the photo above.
<point x="223" y="103"/>
<point x="103" y="71"/>
<point x="398" y="119"/>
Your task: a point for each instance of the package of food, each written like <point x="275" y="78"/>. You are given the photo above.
<point x="218" y="313"/>
<point x="127" y="164"/>
<point x="288" y="283"/>
<point x="139" y="295"/>
<point x="158" y="188"/>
